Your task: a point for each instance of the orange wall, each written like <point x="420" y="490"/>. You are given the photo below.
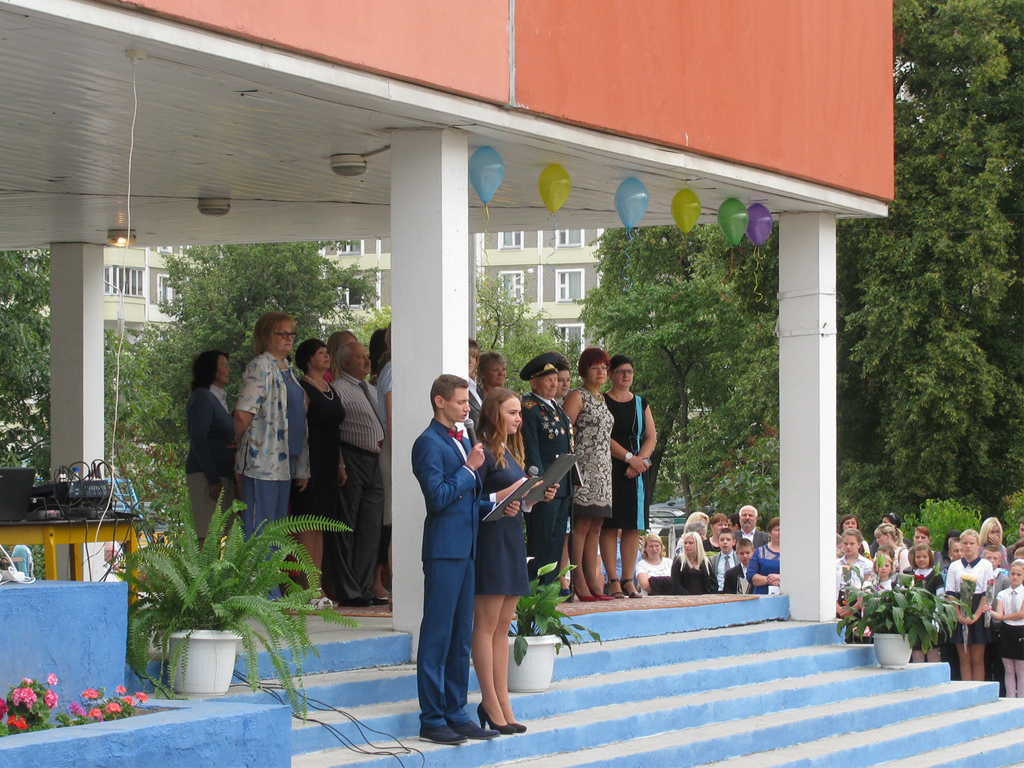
<point x="459" y="45"/>
<point x="803" y="87"/>
<point x="799" y="86"/>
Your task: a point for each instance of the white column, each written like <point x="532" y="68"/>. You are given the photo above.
<point x="807" y="412"/>
<point x="76" y="353"/>
<point x="430" y="314"/>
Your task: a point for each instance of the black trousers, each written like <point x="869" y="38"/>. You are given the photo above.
<point x="361" y="508"/>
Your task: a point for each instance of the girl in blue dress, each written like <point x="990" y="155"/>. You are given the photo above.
<point x="501" y="575"/>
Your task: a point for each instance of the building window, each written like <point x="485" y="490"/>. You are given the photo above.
<point x="351" y="297"/>
<point x="571" y="334"/>
<point x="126" y="281"/>
<point x="513" y="283"/>
<point x="508" y="241"/>
<point x="569" y="285"/>
<point x="569" y="238"/>
<point x="164" y="291"/>
<point x="350" y="248"/>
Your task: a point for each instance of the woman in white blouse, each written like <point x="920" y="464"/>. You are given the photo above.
<point x="652" y="563"/>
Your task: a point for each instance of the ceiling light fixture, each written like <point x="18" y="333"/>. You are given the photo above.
<point x="348" y="165"/>
<point x="120" y="237"/>
<point x="214" y="206"/>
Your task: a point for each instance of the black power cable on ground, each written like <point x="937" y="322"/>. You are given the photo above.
<point x="320" y="706"/>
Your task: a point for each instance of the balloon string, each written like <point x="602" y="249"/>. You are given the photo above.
<point x="625" y="276"/>
<point x="732" y="252"/>
<point x="757" y="266"/>
<point x="487" y="220"/>
<point x="554" y="237"/>
<point x="679" y="265"/>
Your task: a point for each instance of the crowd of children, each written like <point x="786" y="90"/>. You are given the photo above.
<point x="989" y="638"/>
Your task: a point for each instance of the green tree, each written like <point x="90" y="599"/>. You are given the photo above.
<point x="930" y="344"/>
<point x="25" y="358"/>
<point x="509" y="325"/>
<point x="218" y="294"/>
<point x="697" y="319"/>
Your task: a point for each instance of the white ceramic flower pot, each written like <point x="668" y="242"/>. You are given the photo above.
<point x="534" y="674"/>
<point x="892" y="651"/>
<point x="210" y="663"/>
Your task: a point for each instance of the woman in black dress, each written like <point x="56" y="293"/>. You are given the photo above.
<point x="633" y="441"/>
<point x="324" y="413"/>
<point x="500" y="557"/>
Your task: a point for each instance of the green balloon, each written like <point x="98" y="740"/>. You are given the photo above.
<point x="733" y="219"/>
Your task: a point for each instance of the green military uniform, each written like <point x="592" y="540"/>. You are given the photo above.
<point x="547" y="433"/>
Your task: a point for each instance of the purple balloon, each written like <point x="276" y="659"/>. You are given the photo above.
<point x="760" y="224"/>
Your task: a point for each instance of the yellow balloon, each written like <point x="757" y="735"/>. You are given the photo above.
<point x="554" y="186"/>
<point x="686" y="209"/>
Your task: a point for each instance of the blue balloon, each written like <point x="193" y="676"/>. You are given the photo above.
<point x="631" y="201"/>
<point x="486" y="170"/>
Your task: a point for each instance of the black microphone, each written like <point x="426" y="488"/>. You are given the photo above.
<point x="470" y="426"/>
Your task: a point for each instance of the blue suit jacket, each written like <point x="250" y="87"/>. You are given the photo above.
<point x="451" y="493"/>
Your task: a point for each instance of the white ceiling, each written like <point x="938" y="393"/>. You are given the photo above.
<point x="223" y="118"/>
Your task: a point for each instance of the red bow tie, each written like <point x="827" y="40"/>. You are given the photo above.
<point x="456" y="433"/>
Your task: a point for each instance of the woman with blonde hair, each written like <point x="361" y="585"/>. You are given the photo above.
<point x="691" y="571"/>
<point x="971" y="634"/>
<point x="652" y="563"/>
<point x="501" y="575"/>
<point x="335" y="342"/>
<point x="270" y="425"/>
<point x="992" y="533"/>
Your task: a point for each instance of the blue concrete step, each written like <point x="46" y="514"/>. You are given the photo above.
<point x="770" y="694"/>
<point x="990" y="749"/>
<point x="861" y="731"/>
<point x="603" y="696"/>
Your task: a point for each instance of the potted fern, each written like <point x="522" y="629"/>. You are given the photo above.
<point x="539" y="632"/>
<point x="183" y="592"/>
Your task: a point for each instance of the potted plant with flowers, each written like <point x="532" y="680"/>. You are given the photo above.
<point x="189" y="599"/>
<point x="898" y="619"/>
<point x="539" y="632"/>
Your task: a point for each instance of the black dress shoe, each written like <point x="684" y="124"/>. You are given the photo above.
<point x="473" y="731"/>
<point x="355" y="602"/>
<point x="441" y="735"/>
<point x="378" y="601"/>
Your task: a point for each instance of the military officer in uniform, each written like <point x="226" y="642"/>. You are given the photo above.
<point x="547" y="433"/>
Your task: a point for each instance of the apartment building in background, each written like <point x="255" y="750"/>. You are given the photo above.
<point x="551" y="271"/>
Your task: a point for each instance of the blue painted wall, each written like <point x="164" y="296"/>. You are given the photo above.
<point x="76" y="630"/>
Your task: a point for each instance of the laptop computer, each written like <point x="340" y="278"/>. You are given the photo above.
<point x="15" y="492"/>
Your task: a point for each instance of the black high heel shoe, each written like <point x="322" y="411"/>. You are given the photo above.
<point x="486" y="722"/>
<point x="520" y="728"/>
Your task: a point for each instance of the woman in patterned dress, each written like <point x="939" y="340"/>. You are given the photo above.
<point x="592" y="501"/>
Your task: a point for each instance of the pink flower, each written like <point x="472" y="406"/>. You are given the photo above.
<point x="121" y="690"/>
<point x="26" y="681"/>
<point x="76" y="709"/>
<point x="96" y="714"/>
<point x="142" y="697"/>
<point x="3" y="709"/>
<point x="129" y="700"/>
<point x="50" y="699"/>
<point x="112" y="707"/>
<point x="51" y="679"/>
<point x="24" y="696"/>
<point x="91" y="694"/>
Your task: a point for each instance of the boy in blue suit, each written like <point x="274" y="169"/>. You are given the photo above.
<point x="445" y="465"/>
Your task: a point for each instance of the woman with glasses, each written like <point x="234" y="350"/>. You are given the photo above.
<point x="270" y="425"/>
<point x="633" y="440"/>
